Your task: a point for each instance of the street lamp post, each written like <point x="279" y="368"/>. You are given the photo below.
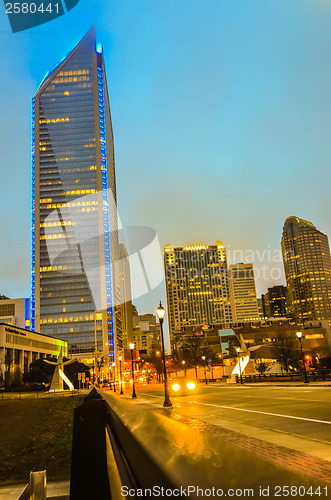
<point x="121" y="381"/>
<point x="134" y="395"/>
<point x="299" y="335"/>
<point x="160" y="311"/>
<point x="220" y="357"/>
<point x="204" y="368"/>
<point x="240" y="373"/>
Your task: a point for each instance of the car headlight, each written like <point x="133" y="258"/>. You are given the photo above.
<point x="176" y="387"/>
<point x="191" y="385"/>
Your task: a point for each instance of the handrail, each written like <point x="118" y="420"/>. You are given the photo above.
<point x="113" y="447"/>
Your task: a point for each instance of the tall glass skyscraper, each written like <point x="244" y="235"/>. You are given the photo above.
<point x="307" y="264"/>
<point x="197" y="287"/>
<point x="74" y="217"/>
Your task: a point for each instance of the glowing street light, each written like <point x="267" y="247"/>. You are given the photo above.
<point x="121" y="381"/>
<point x="160" y="311"/>
<point x="134" y="395"/>
<point x="299" y="335"/>
<point x="204" y="367"/>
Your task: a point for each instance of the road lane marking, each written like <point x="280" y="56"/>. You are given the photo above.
<point x="153" y="396"/>
<point x="278" y="397"/>
<point x="264" y="413"/>
<point x="306" y="400"/>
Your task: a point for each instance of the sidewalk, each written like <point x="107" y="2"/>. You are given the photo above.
<point x="54" y="490"/>
<point x="287" y="383"/>
<point x="293" y="454"/>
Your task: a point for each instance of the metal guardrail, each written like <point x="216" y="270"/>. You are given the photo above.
<point x="117" y="456"/>
<point x="36" y="489"/>
<point x="315" y="375"/>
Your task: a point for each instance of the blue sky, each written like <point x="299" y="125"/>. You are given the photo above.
<point x="221" y="113"/>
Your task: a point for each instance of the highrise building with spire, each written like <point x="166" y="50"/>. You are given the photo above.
<point x="74" y="217"/>
<point x="307" y="264"/>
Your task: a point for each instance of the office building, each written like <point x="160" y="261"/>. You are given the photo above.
<point x="260" y="306"/>
<point x="243" y="298"/>
<point x="265" y="305"/>
<point x="19" y="347"/>
<point x="74" y="218"/>
<point x="307" y="264"/>
<point x="146" y="333"/>
<point x="274" y="302"/>
<point x="15" y="312"/>
<point x="197" y="287"/>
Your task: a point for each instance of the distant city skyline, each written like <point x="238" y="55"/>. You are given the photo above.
<point x="221" y="119"/>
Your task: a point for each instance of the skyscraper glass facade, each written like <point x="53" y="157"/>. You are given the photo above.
<point x="197" y="286"/>
<point x="243" y="298"/>
<point x="74" y="222"/>
<point x="307" y="264"/>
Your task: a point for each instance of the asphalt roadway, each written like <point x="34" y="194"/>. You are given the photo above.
<point x="297" y="417"/>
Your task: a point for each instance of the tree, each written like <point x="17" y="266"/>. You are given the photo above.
<point x="156" y="360"/>
<point x="39" y="372"/>
<point x="193" y="350"/>
<point x="262" y="367"/>
<point x="287" y="353"/>
<point x="9" y="362"/>
<point x="231" y="349"/>
<point x="73" y="369"/>
<point x="177" y="361"/>
<point x="42" y="373"/>
<point x="321" y="357"/>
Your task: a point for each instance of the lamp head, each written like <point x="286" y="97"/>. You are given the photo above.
<point x="299" y="335"/>
<point x="120" y="358"/>
<point x="238" y="349"/>
<point x="131" y="346"/>
<point x="203" y="357"/>
<point x="160" y="311"/>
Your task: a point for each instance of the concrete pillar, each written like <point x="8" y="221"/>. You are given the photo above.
<point x="21" y="355"/>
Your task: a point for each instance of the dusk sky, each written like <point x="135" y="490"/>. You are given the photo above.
<point x="221" y="112"/>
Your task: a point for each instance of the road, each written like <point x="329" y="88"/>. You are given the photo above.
<point x="298" y="417"/>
